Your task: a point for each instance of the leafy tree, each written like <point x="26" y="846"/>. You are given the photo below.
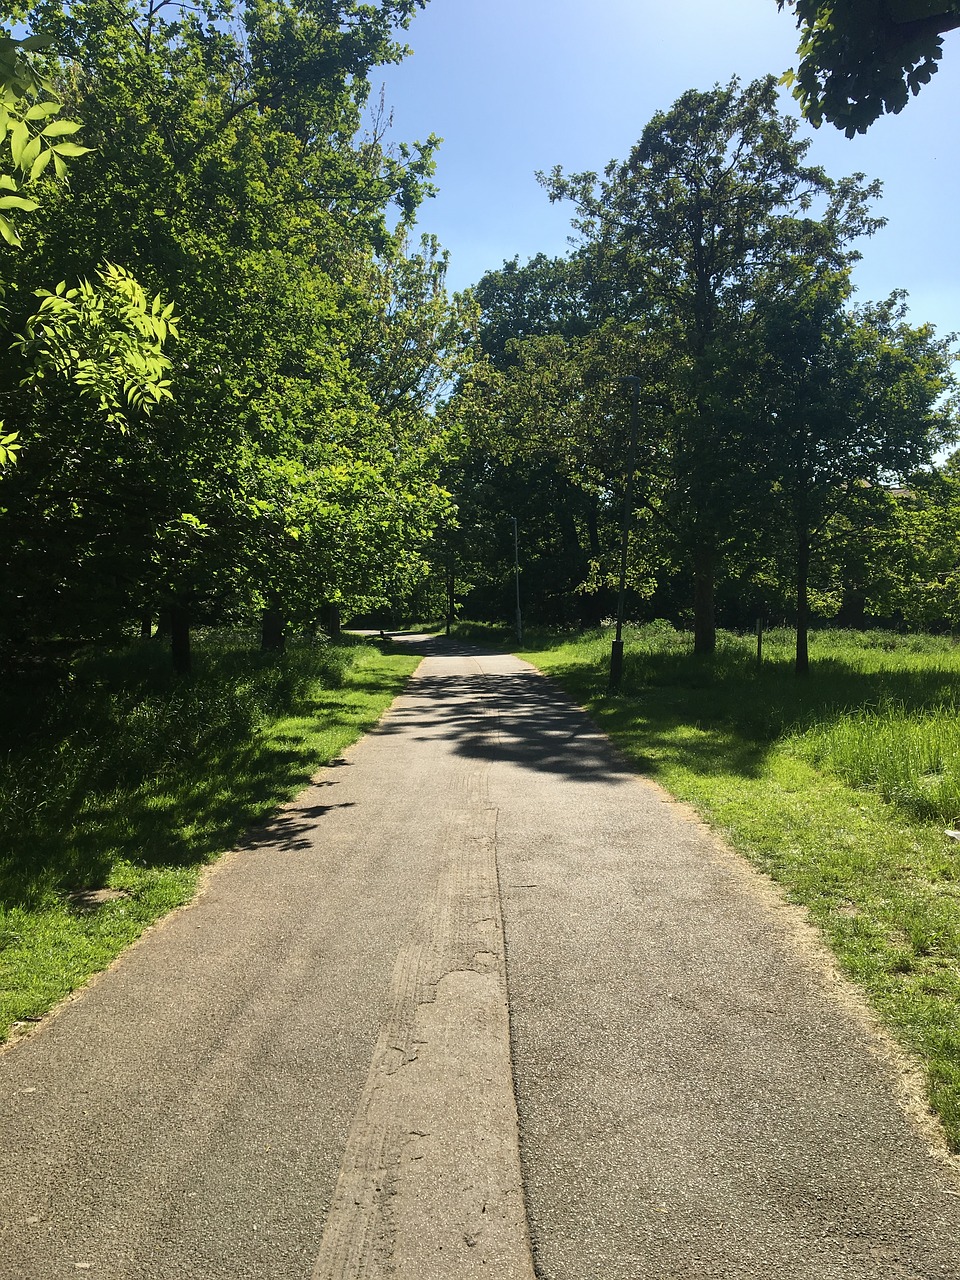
<point x="526" y="446"/>
<point x="852" y="401"/>
<point x="714" y="199"/>
<point x="546" y="296"/>
<point x="908" y="562"/>
<point x="862" y="58"/>
<point x="412" y="337"/>
<point x="547" y="426"/>
<point x="228" y="174"/>
<point x="107" y="339"/>
<point x="29" y="129"/>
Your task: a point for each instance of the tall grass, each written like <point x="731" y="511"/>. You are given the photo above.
<point x="879" y="710"/>
<point x="912" y="759"/>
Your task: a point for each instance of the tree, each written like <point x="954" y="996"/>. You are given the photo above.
<point x="546" y="296"/>
<point x="412" y="336"/>
<point x="530" y="450"/>
<point x="851" y="401"/>
<point x="230" y="174"/>
<point x="861" y="58"/>
<point x="93" y="348"/>
<point x="29" y="127"/>
<point x="922" y="546"/>
<point x="105" y="338"/>
<point x="714" y="199"/>
<point x="558" y="528"/>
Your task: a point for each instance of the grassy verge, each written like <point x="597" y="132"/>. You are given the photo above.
<point x="121" y="782"/>
<point x="839" y="786"/>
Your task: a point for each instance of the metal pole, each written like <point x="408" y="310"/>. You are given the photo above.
<point x="516" y="570"/>
<point x="616" y="651"/>
<point x="450" y="587"/>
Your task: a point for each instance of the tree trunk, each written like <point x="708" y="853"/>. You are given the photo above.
<point x="330" y="618"/>
<point x="803" y="608"/>
<point x="853" y="609"/>
<point x="146" y="626"/>
<point x="451" y="588"/>
<point x="273" y="629"/>
<point x="180" y="639"/>
<point x="704" y="615"/>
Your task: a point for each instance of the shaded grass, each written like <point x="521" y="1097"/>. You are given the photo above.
<point x="130" y="780"/>
<point x="794" y="774"/>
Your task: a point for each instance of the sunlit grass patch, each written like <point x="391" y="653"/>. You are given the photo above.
<point x="910" y="759"/>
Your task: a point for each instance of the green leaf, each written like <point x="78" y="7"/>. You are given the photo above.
<point x="58" y="128"/>
<point x="71" y="149"/>
<point x="8" y="233"/>
<point x="35" y="42"/>
<point x="8" y="452"/>
<point x="19" y="137"/>
<point x="18" y="202"/>
<point x="30" y="153"/>
<point x="41" y="162"/>
<point x="41" y="110"/>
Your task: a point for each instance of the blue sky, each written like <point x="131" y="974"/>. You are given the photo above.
<point x="513" y="86"/>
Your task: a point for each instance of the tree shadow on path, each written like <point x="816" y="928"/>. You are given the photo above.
<point x="516" y="716"/>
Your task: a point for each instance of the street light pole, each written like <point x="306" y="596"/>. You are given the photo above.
<point x="451" y="583"/>
<point x="516" y="571"/>
<point x="616" y="651"/>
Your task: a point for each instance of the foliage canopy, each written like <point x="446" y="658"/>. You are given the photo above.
<point x="862" y="58"/>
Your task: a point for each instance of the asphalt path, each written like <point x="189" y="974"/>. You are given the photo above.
<point x="479" y="1002"/>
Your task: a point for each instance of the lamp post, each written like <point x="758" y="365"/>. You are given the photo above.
<point x="451" y="583"/>
<point x="516" y="571"/>
<point x="616" y="651"/>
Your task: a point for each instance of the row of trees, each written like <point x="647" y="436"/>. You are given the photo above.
<point x="226" y="405"/>
<point x="711" y="276"/>
<point x="231" y="400"/>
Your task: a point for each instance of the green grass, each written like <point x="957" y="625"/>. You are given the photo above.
<point x="839" y="786"/>
<point x="119" y="776"/>
<point x="910" y="759"/>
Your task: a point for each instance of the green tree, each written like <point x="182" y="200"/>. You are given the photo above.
<point x="852" y="400"/>
<point x="862" y="58"/>
<point x="526" y="446"/>
<point x="908" y="562"/>
<point x="714" y="199"/>
<point x="229" y="175"/>
<point x="29" y="129"/>
<point x="105" y="338"/>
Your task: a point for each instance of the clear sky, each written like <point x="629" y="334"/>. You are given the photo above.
<point x="513" y="86"/>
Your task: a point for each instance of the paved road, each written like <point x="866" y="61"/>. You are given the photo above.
<point x="314" y="1073"/>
